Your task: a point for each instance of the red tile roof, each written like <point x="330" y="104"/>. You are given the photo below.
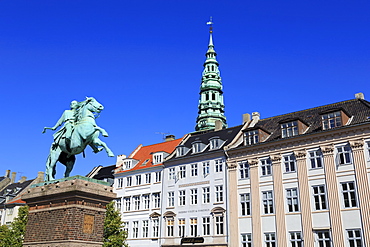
<point x="16" y="202"/>
<point x="145" y="153"/>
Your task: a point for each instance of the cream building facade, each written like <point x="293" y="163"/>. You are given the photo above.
<point x="302" y="179"/>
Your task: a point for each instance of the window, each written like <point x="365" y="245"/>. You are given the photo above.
<point x="157" y="158"/>
<point x="354" y="238"/>
<point x="127" y="203"/>
<point x="219" y="165"/>
<point x="206" y="221"/>
<point x="129" y="181"/>
<point x="194" y="196"/>
<point x="145" y="228"/>
<point x="146" y="201"/>
<point x="138" y="179"/>
<point x="126" y="226"/>
<point x="323" y="238"/>
<point x="289" y="163"/>
<point x="266" y="167"/>
<point x="170" y="223"/>
<point x="171" y="173"/>
<point x="215" y="143"/>
<point x="270" y="239"/>
<point x="118" y="204"/>
<point x="193" y="227"/>
<point x="197" y="147"/>
<point x="331" y="120"/>
<point x="136" y="202"/>
<point x="296" y="239"/>
<point x="120" y="183"/>
<point x="181" y="227"/>
<point x="155" y="228"/>
<point x="246" y="240"/>
<point x="368" y="148"/>
<point x="251" y="137"/>
<point x="245" y="202"/>
<point x="315" y="157"/>
<point x="182" y="172"/>
<point x="147" y="178"/>
<point x="182" y="197"/>
<point x="289" y="129"/>
<point x="219" y="225"/>
<point x="219" y="193"/>
<point x="135" y="229"/>
<point x="206" y="195"/>
<point x="180" y="151"/>
<point x="158" y="177"/>
<point x="194" y="170"/>
<point x="171" y="199"/>
<point x="268" y="202"/>
<point x="292" y="200"/>
<point x="157" y="200"/>
<point x="349" y="194"/>
<point x="344" y="155"/>
<point x="127" y="164"/>
<point x="205" y="168"/>
<point x="244" y="170"/>
<point x="319" y="196"/>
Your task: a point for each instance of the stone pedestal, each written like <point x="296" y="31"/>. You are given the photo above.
<point x="67" y="212"/>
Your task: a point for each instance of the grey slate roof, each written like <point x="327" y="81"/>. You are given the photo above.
<point x="13" y="189"/>
<point x="357" y="109"/>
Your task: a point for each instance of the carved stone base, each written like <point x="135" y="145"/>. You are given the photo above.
<point x="67" y="212"/>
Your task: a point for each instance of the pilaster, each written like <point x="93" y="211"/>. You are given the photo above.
<point x="233" y="203"/>
<point x="256" y="204"/>
<point x="333" y="196"/>
<point x="281" y="234"/>
<point x="363" y="187"/>
<point x="304" y="197"/>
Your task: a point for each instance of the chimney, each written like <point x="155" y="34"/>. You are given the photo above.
<point x="7" y="173"/>
<point x="255" y="119"/>
<point x="40" y="177"/>
<point x="218" y="125"/>
<point x="359" y="96"/>
<point x="12" y="180"/>
<point x="23" y="178"/>
<point x="246" y="117"/>
<point x="169" y="138"/>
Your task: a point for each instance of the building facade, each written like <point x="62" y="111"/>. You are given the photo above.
<point x="302" y="179"/>
<point x="195" y="195"/>
<point x="138" y="184"/>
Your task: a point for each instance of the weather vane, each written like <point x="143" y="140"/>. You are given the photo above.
<point x="210" y="23"/>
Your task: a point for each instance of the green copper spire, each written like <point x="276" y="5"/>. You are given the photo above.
<point x="211" y="102"/>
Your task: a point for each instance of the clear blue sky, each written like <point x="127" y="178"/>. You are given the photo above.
<point x="143" y="61"/>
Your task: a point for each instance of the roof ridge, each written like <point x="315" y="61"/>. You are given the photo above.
<point x="308" y="109"/>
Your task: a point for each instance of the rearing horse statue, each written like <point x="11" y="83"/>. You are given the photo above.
<point x="79" y="130"/>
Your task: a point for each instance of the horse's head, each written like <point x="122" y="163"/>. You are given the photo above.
<point x="93" y="105"/>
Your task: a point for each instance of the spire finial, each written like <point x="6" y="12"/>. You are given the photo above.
<point x="210" y="23"/>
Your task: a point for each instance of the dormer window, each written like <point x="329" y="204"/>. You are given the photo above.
<point x="251" y="137"/>
<point x="215" y="143"/>
<point x="289" y="129"/>
<point x="292" y="128"/>
<point x="333" y="119"/>
<point x="127" y="164"/>
<point x="197" y="147"/>
<point x="157" y="158"/>
<point x="181" y="151"/>
<point x="254" y="136"/>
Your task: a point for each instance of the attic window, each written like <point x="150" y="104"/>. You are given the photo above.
<point x="215" y="143"/>
<point x="127" y="164"/>
<point x="196" y="147"/>
<point x="254" y="136"/>
<point x="157" y="158"/>
<point x="289" y="129"/>
<point x="333" y="119"/>
<point x="180" y="151"/>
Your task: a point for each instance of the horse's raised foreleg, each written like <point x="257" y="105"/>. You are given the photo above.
<point x="100" y="143"/>
<point x="102" y="131"/>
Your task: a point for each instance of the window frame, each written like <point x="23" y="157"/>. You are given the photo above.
<point x="266" y="167"/>
<point x="245" y="204"/>
<point x="171" y="199"/>
<point x="316" y="159"/>
<point x="290" y="163"/>
<point x="296" y="239"/>
<point x="320" y="200"/>
<point x="268" y="202"/>
<point x="206" y="195"/>
<point x="219" y="193"/>
<point x="324" y="241"/>
<point x="330" y="120"/>
<point x="246" y="239"/>
<point x="289" y="129"/>
<point x="243" y="169"/>
<point x="251" y="137"/>
<point x="293" y="203"/>
<point x="353" y="240"/>
<point x="206" y="225"/>
<point x="344" y="155"/>
<point x="351" y="200"/>
<point x="270" y="239"/>
<point x="194" y="170"/>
